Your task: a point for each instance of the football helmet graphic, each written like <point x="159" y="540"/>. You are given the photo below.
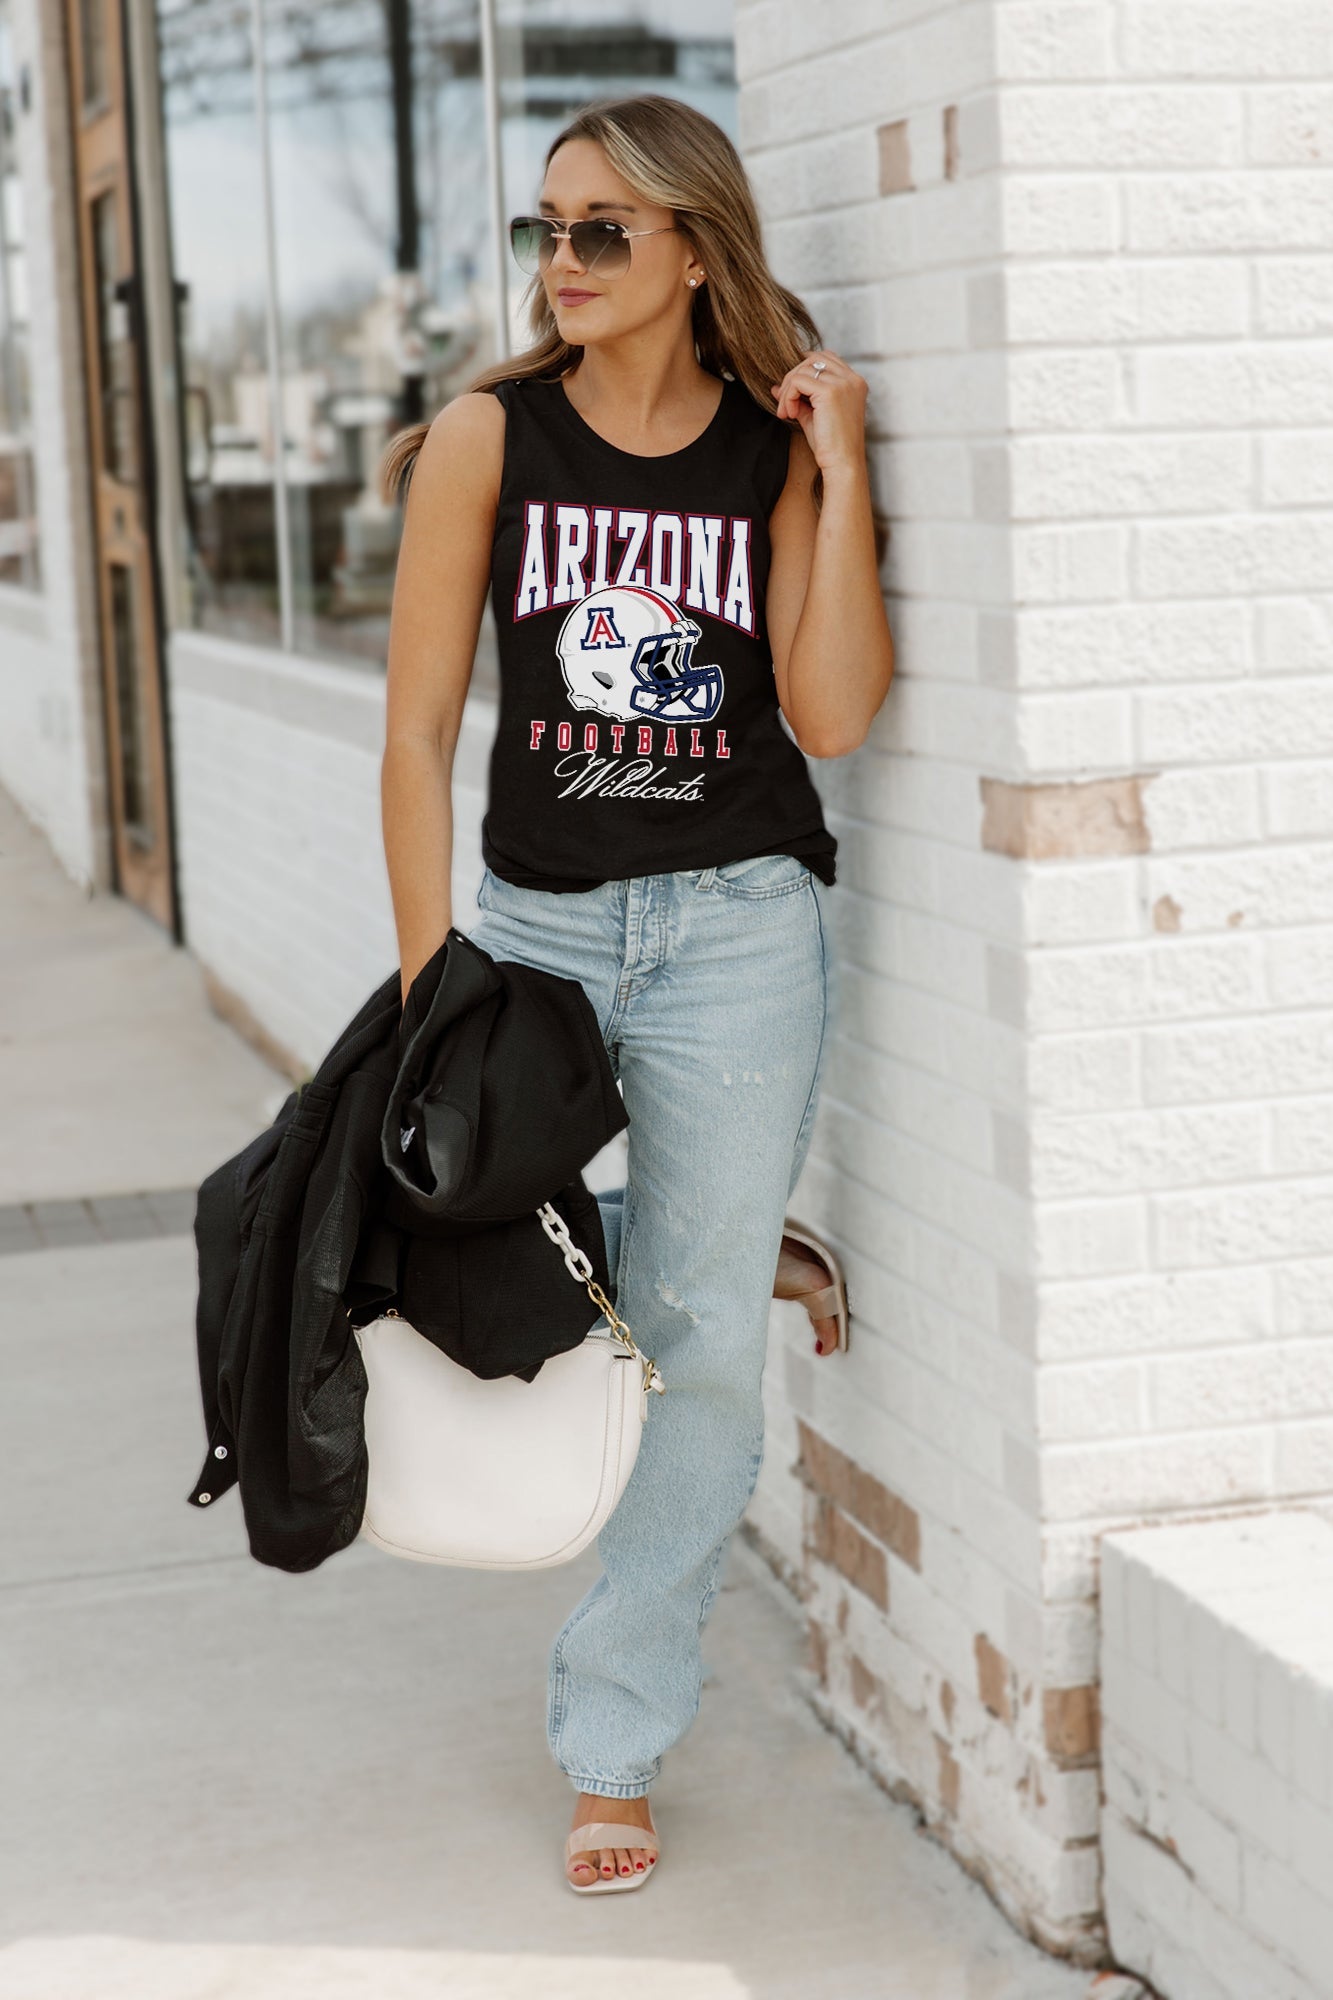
<point x="629" y="653"/>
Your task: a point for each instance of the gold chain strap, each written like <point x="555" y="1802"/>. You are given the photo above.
<point x="579" y="1265"/>
<point x="558" y="1230"/>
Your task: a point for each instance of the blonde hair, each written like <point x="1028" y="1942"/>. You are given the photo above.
<point x="745" y="322"/>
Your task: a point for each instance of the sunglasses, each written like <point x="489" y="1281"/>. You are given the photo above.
<point x="599" y="243"/>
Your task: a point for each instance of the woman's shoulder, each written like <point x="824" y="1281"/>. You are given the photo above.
<point x="478" y="412"/>
<point x="464" y="442"/>
<point x="475" y="414"/>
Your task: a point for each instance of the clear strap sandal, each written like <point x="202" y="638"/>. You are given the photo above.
<point x="596" y="1833"/>
<point x="829" y="1301"/>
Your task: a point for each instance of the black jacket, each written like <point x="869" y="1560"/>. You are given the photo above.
<point x="405" y="1171"/>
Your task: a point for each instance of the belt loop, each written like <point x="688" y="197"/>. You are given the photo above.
<point x="705" y="880"/>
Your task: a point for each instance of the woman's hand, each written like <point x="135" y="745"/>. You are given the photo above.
<point x="829" y="406"/>
<point x="832" y="648"/>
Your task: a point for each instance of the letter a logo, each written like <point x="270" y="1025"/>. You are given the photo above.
<point x="601" y="630"/>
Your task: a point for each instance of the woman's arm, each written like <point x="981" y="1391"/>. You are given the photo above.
<point x="439" y="594"/>
<point x="832" y="648"/>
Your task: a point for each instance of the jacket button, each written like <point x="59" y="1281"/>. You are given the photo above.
<point x="219" y="1451"/>
<point x="205" y="1496"/>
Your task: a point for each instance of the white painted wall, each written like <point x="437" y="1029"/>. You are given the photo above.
<point x="285" y="889"/>
<point x="51" y="755"/>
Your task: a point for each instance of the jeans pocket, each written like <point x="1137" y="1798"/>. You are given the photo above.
<point x="762" y="875"/>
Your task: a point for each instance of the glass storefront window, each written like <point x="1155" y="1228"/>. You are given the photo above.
<point x="378" y="147"/>
<point x="333" y="230"/>
<point x="552" y="60"/>
<point x="19" y="562"/>
<point x="216" y="209"/>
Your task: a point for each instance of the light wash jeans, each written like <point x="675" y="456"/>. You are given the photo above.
<point x="716" y="991"/>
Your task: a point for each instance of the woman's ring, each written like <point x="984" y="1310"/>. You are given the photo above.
<point x="818" y="365"/>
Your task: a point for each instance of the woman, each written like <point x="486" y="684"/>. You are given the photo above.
<point x="667" y="496"/>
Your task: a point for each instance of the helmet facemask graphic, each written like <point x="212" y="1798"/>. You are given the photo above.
<point x="662" y="665"/>
<point x="628" y="652"/>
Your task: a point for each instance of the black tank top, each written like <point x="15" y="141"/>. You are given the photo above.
<point x="639" y="728"/>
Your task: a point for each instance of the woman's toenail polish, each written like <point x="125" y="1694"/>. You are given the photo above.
<point x="819" y="1347"/>
<point x="638" y="1867"/>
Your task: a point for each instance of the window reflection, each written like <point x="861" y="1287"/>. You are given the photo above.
<point x="375" y="304"/>
<point x="379" y="165"/>
<point x="93" y="51"/>
<point x="18" y="500"/>
<point x="217" y="222"/>
<point x="114" y="345"/>
<point x="554" y="60"/>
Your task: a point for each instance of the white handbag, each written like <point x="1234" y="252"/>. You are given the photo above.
<point x="500" y="1473"/>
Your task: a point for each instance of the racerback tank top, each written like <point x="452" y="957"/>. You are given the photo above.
<point x="639" y="729"/>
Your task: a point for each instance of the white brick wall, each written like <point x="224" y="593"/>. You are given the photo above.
<point x="1187" y="1195"/>
<point x="1217" y="1690"/>
<point x="919" y="1161"/>
<point x="1075" y="1140"/>
<point x="282" y="869"/>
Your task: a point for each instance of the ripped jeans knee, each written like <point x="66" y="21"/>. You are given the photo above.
<point x="670" y="1297"/>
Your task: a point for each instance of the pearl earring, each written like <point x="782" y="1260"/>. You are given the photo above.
<point x="691" y="281"/>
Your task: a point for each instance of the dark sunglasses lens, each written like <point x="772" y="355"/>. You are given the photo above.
<point x="531" y="241"/>
<point x="602" y="246"/>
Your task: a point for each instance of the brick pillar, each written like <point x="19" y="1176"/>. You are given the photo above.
<point x="1075" y="1141"/>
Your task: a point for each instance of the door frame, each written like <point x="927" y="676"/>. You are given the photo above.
<point x="131" y="620"/>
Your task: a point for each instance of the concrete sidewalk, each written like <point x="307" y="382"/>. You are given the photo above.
<point x="226" y="1783"/>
